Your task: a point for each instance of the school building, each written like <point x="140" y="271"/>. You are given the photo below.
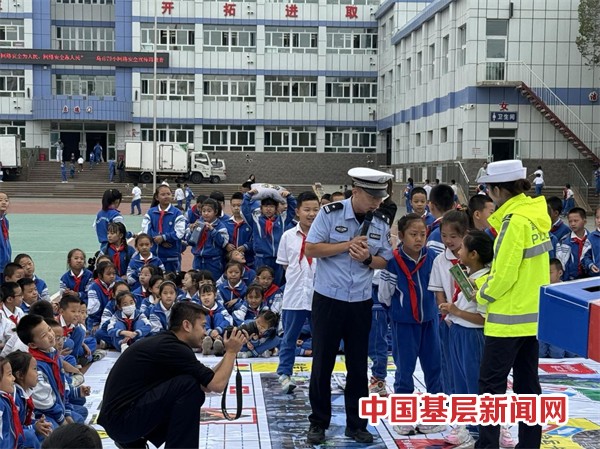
<point x="302" y="90"/>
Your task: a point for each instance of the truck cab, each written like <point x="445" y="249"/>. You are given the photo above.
<point x="219" y="171"/>
<point x="200" y="167"/>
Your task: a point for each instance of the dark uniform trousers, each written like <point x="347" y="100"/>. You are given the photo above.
<point x="169" y="413"/>
<point x="500" y="354"/>
<point x="332" y="321"/>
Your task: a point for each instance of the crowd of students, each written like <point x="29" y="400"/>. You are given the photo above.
<point x="250" y="270"/>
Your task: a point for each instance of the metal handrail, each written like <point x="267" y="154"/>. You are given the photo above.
<point x="578" y="181"/>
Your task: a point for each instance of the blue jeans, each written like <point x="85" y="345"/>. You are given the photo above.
<point x="293" y="320"/>
<point x="538" y="189"/>
<point x="378" y="345"/>
<point x="136" y="204"/>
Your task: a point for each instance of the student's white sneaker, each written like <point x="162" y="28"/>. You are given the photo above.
<point x="98" y="354"/>
<point x="244" y="354"/>
<point x="460" y="437"/>
<point x="266" y="354"/>
<point x="404" y="430"/>
<point x="124" y="346"/>
<point x="377" y="386"/>
<point x="207" y="345"/>
<point x="287" y="384"/>
<point x="506" y="439"/>
<point x="430" y="428"/>
<point x="218" y="347"/>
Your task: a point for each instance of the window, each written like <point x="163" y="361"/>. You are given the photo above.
<point x="238" y="39"/>
<point x="85" y="38"/>
<point x="389" y="85"/>
<point x="87" y="2"/>
<point x="408" y="73"/>
<point x="12" y="33"/>
<point x="17" y="128"/>
<point x="462" y="46"/>
<point x="228" y="138"/>
<point x="355" y="41"/>
<point x="170" y="87"/>
<point x="232" y="88"/>
<point x="445" y="53"/>
<point x="175" y="37"/>
<point x="430" y="137"/>
<point x="291" y="40"/>
<point x="291" y="89"/>
<point x="350" y="90"/>
<point x="496" y="31"/>
<point x="295" y="138"/>
<point x="399" y="86"/>
<point x="93" y="85"/>
<point x="168" y="133"/>
<point x="384" y="36"/>
<point x="350" y="140"/>
<point x="419" y="68"/>
<point x="12" y="83"/>
<point x="432" y="61"/>
<point x="443" y="135"/>
<point x="417" y="139"/>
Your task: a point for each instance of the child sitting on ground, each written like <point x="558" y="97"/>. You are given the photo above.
<point x="143" y="257"/>
<point x="28" y="266"/>
<point x="252" y="306"/>
<point x="161" y="311"/>
<point x="152" y="299"/>
<point x="78" y="277"/>
<point x="232" y="292"/>
<point x="265" y="342"/>
<point x="189" y="284"/>
<point x="127" y="325"/>
<point x="117" y="248"/>
<point x="30" y="293"/>
<point x="69" y="309"/>
<point x="217" y="319"/>
<point x="272" y="293"/>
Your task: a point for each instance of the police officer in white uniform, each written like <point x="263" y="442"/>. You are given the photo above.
<point x="351" y="238"/>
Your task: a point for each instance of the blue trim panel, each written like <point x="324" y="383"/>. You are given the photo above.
<point x="387" y="5"/>
<point x="102" y="110"/>
<point x="123" y="33"/>
<point x="84" y="23"/>
<point x="420" y="19"/>
<point x="90" y="72"/>
<point x="14" y="117"/>
<point x="41" y="25"/>
<point x="261" y="122"/>
<point x="254" y="22"/>
<point x="16" y="15"/>
<point x="255" y="72"/>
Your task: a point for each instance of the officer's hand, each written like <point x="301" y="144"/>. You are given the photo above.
<point x="235" y="341"/>
<point x="359" y="249"/>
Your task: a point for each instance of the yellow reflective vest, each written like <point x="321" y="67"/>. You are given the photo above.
<point x="520" y="267"/>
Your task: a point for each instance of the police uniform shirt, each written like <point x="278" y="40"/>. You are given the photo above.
<point x="339" y="276"/>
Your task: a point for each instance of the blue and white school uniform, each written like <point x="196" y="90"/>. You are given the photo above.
<point x="103" y="218"/>
<point x="434" y="237"/>
<point x="159" y="318"/>
<point x="217" y="318"/>
<point x="248" y="277"/>
<point x="24" y="404"/>
<point x="42" y="288"/>
<point x="560" y="229"/>
<point x="240" y="234"/>
<point x="77" y="283"/>
<point x="120" y="256"/>
<point x="246" y="313"/>
<point x="170" y="224"/>
<point x="273" y="298"/>
<point x="571" y="251"/>
<point x="119" y="322"/>
<point x="99" y="295"/>
<point x="209" y="250"/>
<point x="136" y="263"/>
<point x="8" y="430"/>
<point x="227" y="292"/>
<point x="466" y="343"/>
<point x="592" y="256"/>
<point x="5" y="248"/>
<point x="414" y="320"/>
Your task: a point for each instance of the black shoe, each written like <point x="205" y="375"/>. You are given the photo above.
<point x="137" y="444"/>
<point x="316" y="435"/>
<point x="359" y="435"/>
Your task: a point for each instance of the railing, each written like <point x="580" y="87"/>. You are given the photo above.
<point x="515" y="72"/>
<point x="579" y="183"/>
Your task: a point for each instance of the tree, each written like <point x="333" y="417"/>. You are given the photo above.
<point x="588" y="41"/>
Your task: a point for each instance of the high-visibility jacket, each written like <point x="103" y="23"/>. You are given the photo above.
<point x="520" y="267"/>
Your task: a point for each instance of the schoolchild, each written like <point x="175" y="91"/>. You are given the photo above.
<point x="128" y="324"/>
<point x="441" y="200"/>
<point x="209" y="248"/>
<point x="11" y="313"/>
<point x="136" y="199"/>
<point x="14" y="343"/>
<point x="141" y="258"/>
<point x="453" y="227"/>
<point x="161" y="311"/>
<point x="232" y="293"/>
<point x="78" y="278"/>
<point x="5" y="249"/>
<point x="10" y="425"/>
<point x="297" y="297"/>
<point x="418" y="202"/>
<point x="166" y="226"/>
<point x="111" y="199"/>
<point x="240" y="232"/>
<point x="194" y="213"/>
<point x="266" y="342"/>
<point x="267" y="228"/>
<point x="273" y="294"/>
<point x="568" y="200"/>
<point x="189" y="196"/>
<point x="117" y="248"/>
<point x="154" y="294"/>
<point x="30" y="293"/>
<point x="28" y="266"/>
<point x="238" y="256"/>
<point x="143" y="290"/>
<point x="251" y="306"/>
<point x="407" y="191"/>
<point x="109" y="309"/>
<point x="467" y="318"/>
<point x="559" y="228"/>
<point x="24" y="368"/>
<point x="99" y="294"/>
<point x="217" y="319"/>
<point x="179" y="196"/>
<point x="13" y="272"/>
<point x="573" y="247"/>
<point x="413" y="312"/>
<point x="190" y="284"/>
<point x="479" y="209"/>
<point x="69" y="308"/>
<point x="591" y="260"/>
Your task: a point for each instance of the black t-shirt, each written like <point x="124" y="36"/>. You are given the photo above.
<point x="146" y="364"/>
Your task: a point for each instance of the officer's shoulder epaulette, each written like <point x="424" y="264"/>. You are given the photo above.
<point x="507" y="217"/>
<point x="379" y="214"/>
<point x="332" y="207"/>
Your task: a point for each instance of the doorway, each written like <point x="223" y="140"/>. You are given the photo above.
<point x="502" y="149"/>
<point x="92" y="138"/>
<point x="71" y="143"/>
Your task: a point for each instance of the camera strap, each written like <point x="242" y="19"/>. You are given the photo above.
<point x="238" y="394"/>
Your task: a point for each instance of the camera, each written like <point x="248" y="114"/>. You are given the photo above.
<point x="249" y="327"/>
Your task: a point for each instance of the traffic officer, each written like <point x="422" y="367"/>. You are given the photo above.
<point x="351" y="238"/>
<point x="512" y="291"/>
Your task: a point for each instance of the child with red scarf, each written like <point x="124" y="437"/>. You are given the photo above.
<point x="273" y="294"/>
<point x="232" y="292"/>
<point x="127" y="324"/>
<point x="117" y="248"/>
<point x="99" y="294"/>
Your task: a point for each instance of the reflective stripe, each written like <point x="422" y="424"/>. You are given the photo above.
<point x="537" y="250"/>
<point x="501" y="235"/>
<point x="482" y="290"/>
<point x="512" y="319"/>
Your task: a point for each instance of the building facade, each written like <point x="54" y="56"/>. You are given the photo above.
<point x="472" y="80"/>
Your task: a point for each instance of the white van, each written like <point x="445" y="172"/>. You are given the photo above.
<point x="219" y="171"/>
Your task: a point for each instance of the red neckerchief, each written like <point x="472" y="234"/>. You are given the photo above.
<point x="116" y="257"/>
<point x="160" y="220"/>
<point x="432" y="226"/>
<point x="412" y="290"/>
<point x="234" y="291"/>
<point x="580" y="244"/>
<point x="14" y="318"/>
<point x="203" y="237"/>
<point x="236" y="227"/>
<point x="128" y="322"/>
<point x="309" y="259"/>
<point x="107" y="292"/>
<point x="145" y="293"/>
<point x="28" y="411"/>
<point x="272" y="289"/>
<point x="15" y="416"/>
<point x="67" y="330"/>
<point x="43" y="357"/>
<point x="269" y="225"/>
<point x="77" y="280"/>
<point x="456" y="287"/>
<point x="4" y="228"/>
